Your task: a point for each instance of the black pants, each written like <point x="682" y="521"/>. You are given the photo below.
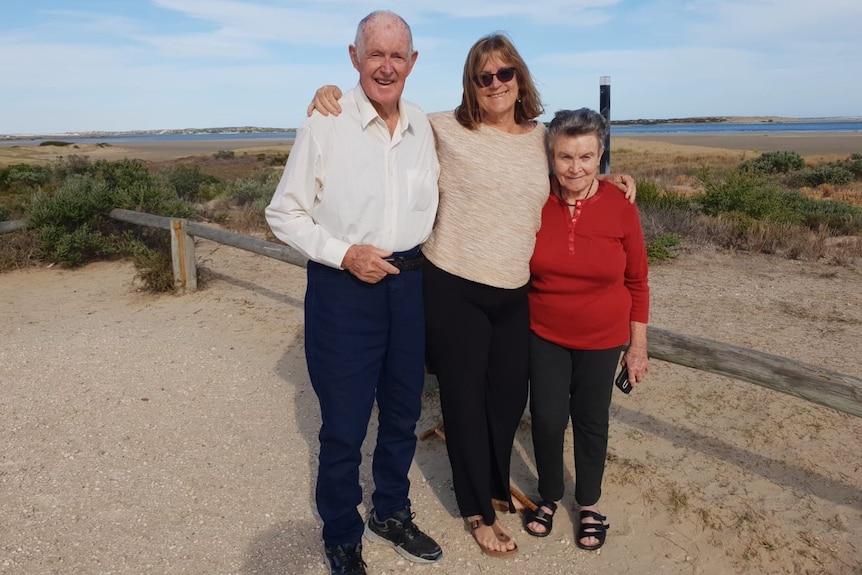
<point x="577" y="384"/>
<point x="477" y="344"/>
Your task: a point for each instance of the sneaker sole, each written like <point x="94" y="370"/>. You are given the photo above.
<point x="372" y="536"/>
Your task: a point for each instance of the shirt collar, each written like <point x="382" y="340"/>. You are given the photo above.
<point x="367" y="113"/>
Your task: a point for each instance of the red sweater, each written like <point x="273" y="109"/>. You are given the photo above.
<point x="589" y="272"/>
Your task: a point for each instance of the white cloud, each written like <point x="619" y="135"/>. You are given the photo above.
<point x="179" y="63"/>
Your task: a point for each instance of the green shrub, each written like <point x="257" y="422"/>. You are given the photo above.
<point x="153" y="265"/>
<point x="779" y="162"/>
<point x="842" y="219"/>
<point x="73" y="247"/>
<point x="658" y="249"/>
<point x="853" y="164"/>
<point x="751" y="194"/>
<point x="827" y="174"/>
<point x="71" y="166"/>
<point x="650" y="195"/>
<point x="82" y="200"/>
<point x="73" y="227"/>
<point x="224" y="155"/>
<point x="186" y="181"/>
<point x="258" y="187"/>
<point x="20" y="178"/>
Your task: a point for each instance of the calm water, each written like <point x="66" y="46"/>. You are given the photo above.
<point x="767" y="127"/>
<point x="124" y="139"/>
<point x="672" y="128"/>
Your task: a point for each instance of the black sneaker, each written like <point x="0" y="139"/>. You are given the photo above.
<point x="345" y="559"/>
<point x="401" y="533"/>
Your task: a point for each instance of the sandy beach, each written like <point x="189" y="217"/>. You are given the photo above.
<point x="816" y="145"/>
<point x="176" y="434"/>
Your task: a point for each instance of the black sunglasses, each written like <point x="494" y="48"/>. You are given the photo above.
<point x="485" y="79"/>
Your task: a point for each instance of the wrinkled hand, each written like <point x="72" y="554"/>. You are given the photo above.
<point x="625" y="183"/>
<point x="637" y="362"/>
<point x="326" y="101"/>
<point x="367" y="263"/>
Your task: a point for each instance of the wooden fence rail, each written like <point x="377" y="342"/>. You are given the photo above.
<point x="12" y="225"/>
<point x="818" y="385"/>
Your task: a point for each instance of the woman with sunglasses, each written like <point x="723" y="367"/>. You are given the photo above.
<point x="493" y="184"/>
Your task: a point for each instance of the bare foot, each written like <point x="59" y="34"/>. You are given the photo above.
<point x="487" y="536"/>
<point x="504" y="536"/>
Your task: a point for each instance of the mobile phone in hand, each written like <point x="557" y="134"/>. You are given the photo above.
<point x="622" y="380"/>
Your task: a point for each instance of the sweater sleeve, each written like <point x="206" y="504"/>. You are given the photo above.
<point x="637" y="273"/>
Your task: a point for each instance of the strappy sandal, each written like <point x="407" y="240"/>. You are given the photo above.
<point x="541" y="517"/>
<point x="474" y="524"/>
<point x="597" y="530"/>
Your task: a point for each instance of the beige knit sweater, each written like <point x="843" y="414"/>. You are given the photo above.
<point x="493" y="186"/>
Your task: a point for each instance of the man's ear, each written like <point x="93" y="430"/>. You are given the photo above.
<point x="413" y="58"/>
<point x="354" y="57"/>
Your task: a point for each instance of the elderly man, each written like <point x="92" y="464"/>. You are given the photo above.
<point x="358" y="197"/>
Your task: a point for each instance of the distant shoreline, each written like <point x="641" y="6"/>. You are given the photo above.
<point x="813" y="145"/>
<point x="251" y="130"/>
<point x="734" y="120"/>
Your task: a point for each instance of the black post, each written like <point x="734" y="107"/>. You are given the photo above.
<point x="605" y="110"/>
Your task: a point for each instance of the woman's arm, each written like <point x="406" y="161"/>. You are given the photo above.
<point x="635" y="358"/>
<point x="624" y="182"/>
<point x="326" y="101"/>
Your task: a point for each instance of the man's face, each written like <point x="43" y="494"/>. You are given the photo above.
<point x="384" y="61"/>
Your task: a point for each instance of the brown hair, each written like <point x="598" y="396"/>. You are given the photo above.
<point x="529" y="104"/>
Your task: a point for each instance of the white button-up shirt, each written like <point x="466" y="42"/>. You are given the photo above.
<point x="347" y="182"/>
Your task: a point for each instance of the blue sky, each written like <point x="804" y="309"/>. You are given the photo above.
<point x="116" y="65"/>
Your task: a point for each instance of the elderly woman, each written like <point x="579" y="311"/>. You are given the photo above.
<point x="589" y="296"/>
<point x="493" y="183"/>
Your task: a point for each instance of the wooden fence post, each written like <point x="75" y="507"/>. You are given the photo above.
<point x="183" y="257"/>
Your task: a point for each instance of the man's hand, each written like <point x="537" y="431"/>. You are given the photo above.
<point x="326" y="101"/>
<point x="367" y="263"/>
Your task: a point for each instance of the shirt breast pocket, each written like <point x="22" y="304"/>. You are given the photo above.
<point x="421" y="189"/>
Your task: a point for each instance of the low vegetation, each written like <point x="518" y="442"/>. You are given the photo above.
<point x="773" y="203"/>
<point x="762" y="205"/>
<point x="66" y="204"/>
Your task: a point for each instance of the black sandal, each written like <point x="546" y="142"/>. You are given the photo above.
<point x="596" y="530"/>
<point x="541" y="517"/>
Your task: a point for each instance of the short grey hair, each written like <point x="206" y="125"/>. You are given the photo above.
<point x="359" y="42"/>
<point x="580" y="122"/>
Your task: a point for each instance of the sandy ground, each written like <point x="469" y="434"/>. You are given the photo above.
<point x="814" y="144"/>
<point x="177" y="434"/>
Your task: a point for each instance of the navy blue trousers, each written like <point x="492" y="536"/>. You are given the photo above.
<point x="364" y="342"/>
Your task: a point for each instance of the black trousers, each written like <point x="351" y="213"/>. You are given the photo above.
<point x="477" y="339"/>
<point x="577" y="384"/>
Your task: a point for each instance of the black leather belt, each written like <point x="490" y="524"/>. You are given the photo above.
<point x="407" y="264"/>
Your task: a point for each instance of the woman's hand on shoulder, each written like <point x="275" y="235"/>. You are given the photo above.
<point x="624" y="182"/>
<point x="326" y="101"/>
